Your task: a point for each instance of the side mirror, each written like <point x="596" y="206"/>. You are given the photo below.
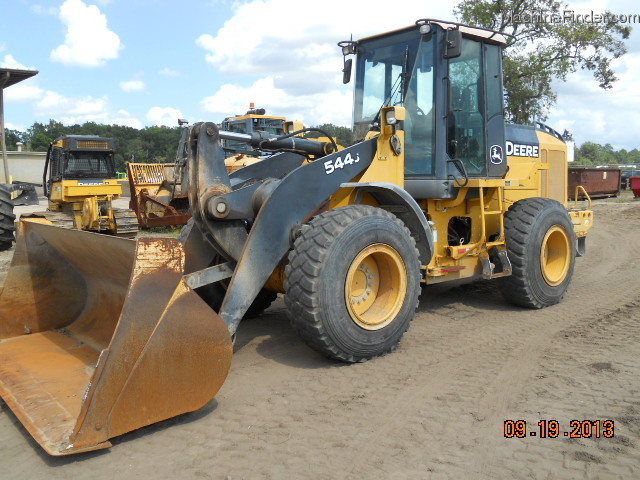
<point x="346" y="71"/>
<point x="453" y="43"/>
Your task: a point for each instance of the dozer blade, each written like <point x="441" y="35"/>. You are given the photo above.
<point x="100" y="336"/>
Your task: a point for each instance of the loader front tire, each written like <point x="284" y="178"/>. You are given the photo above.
<point x="7" y="219"/>
<point x="353" y="282"/>
<point x="541" y="247"/>
<point x="214" y="294"/>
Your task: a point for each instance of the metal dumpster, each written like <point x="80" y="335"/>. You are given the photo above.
<point x="635" y="186"/>
<point x="598" y="182"/>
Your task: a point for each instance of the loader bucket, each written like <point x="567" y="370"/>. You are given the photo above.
<point x="100" y="336"/>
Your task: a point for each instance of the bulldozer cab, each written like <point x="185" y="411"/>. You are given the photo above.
<point x="86" y="160"/>
<point x="449" y="79"/>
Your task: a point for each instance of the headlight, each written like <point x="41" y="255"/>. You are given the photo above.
<point x="391" y="117"/>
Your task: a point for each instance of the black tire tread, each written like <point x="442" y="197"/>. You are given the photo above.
<point x="302" y="276"/>
<point x="519" y="222"/>
<point x="213" y="294"/>
<point x="7" y="218"/>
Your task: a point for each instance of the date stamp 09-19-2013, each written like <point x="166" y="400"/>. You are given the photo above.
<point x="554" y="429"/>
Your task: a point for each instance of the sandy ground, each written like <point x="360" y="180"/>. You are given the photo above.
<point x="433" y="409"/>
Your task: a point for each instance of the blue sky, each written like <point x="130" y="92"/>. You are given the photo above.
<point x="148" y="62"/>
<point x="142" y="43"/>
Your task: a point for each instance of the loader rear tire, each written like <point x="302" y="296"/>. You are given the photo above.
<point x="353" y="282"/>
<point x="541" y="246"/>
<point x="7" y="219"/>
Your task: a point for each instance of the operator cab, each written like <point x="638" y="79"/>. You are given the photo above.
<point x="448" y="77"/>
<point x="254" y="120"/>
<point x="88" y="159"/>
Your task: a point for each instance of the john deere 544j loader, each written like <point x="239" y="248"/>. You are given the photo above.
<point x="102" y="335"/>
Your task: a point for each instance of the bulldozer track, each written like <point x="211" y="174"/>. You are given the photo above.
<point x="126" y="221"/>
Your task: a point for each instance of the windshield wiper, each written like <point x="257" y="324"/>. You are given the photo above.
<point x="398" y="86"/>
<point x="392" y="93"/>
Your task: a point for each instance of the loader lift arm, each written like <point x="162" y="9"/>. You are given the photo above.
<point x="219" y="215"/>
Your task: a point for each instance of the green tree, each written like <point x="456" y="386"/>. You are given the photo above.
<point x="544" y="45"/>
<point x="634" y="156"/>
<point x="40" y="135"/>
<point x="608" y="155"/>
<point x="589" y="153"/>
<point x="12" y="137"/>
<point x="151" y="144"/>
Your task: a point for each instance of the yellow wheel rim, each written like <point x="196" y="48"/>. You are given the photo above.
<point x="555" y="256"/>
<point x="376" y="286"/>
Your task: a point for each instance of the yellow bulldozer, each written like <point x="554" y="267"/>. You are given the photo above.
<point x="80" y="183"/>
<point x="101" y="335"/>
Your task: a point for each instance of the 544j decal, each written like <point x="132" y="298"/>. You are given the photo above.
<point x="331" y="166"/>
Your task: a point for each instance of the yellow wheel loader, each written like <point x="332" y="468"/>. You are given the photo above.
<point x="80" y="183"/>
<point x="101" y="335"/>
<point x="239" y="154"/>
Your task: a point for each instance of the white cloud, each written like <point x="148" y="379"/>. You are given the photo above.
<point x="88" y="41"/>
<point x="72" y="110"/>
<point x="166" y="116"/>
<point x="289" y="44"/>
<point x="125" y="118"/>
<point x="601" y="116"/>
<point x="329" y="106"/>
<point x="40" y="10"/>
<point x="298" y="65"/>
<point x="10" y="62"/>
<point x="133" y="86"/>
<point x="61" y="107"/>
<point x="167" y="72"/>
<point x="68" y="110"/>
<point x="23" y="92"/>
<point x="299" y="61"/>
<point x="265" y="50"/>
<point x="15" y="126"/>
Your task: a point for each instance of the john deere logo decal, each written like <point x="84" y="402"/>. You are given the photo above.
<point x="496" y="154"/>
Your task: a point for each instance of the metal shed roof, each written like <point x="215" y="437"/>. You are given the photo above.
<point x="15" y="76"/>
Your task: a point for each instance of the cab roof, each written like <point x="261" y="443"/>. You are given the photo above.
<point x="477" y="32"/>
